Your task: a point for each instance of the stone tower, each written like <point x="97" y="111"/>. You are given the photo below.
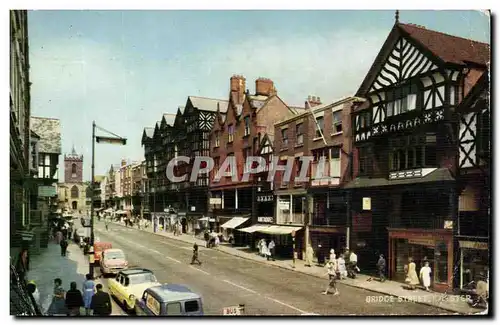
<point x="73" y="167"/>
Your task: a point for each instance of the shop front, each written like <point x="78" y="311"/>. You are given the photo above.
<point x="474" y="261"/>
<point x="432" y="245"/>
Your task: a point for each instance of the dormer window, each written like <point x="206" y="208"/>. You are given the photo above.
<point x="247" y="125"/>
<point x="230" y="133"/>
<point x="401" y="100"/>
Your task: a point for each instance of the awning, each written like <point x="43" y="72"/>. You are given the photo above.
<point x="279" y="230"/>
<point x="121" y="212"/>
<point x="234" y="222"/>
<point x="254" y="228"/>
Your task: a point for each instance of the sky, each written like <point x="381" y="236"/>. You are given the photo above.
<point x="124" y="69"/>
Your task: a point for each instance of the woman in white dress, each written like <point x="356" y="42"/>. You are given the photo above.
<point x="425" y="275"/>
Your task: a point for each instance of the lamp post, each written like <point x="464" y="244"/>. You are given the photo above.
<point x="111" y="140"/>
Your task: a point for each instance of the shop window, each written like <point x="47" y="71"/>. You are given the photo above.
<point x="441" y="263"/>
<point x="475" y="265"/>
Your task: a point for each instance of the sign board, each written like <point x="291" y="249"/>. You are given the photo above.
<point x="473" y="245"/>
<point x="448" y="224"/>
<point x="232" y="311"/>
<point x="47" y="191"/>
<point x="193" y="208"/>
<point x="265" y="219"/>
<point x="367" y="203"/>
<point x="284" y="205"/>
<point x="215" y="200"/>
<point x="422" y="242"/>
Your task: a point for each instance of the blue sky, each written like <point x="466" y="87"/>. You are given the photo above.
<point x="124" y="69"/>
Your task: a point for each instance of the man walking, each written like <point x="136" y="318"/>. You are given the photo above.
<point x="64" y="246"/>
<point x="381" y="267"/>
<point x="195" y="254"/>
<point x="101" y="302"/>
<point x="332" y="275"/>
<point x="272" y="248"/>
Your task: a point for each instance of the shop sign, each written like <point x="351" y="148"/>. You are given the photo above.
<point x="47" y="191"/>
<point x="422" y="242"/>
<point x="181" y="214"/>
<point x="265" y="219"/>
<point x="193" y="208"/>
<point x="367" y="203"/>
<point x="448" y="224"/>
<point x="215" y="200"/>
<point x="265" y="198"/>
<point x="473" y="245"/>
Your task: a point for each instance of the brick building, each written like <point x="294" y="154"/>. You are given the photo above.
<point x="238" y="132"/>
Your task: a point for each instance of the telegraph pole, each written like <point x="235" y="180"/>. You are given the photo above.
<point x="91" y="260"/>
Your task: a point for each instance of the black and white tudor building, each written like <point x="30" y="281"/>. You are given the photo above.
<point x="404" y="197"/>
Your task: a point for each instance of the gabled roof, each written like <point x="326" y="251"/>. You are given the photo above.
<point x="208" y="104"/>
<point x="267" y="138"/>
<point x="157" y="128"/>
<point x="179" y="117"/>
<point x="445" y="48"/>
<point x="147" y="133"/>
<point x="169" y="119"/>
<point x="449" y="48"/>
<point x="477" y="95"/>
<point x="49" y="130"/>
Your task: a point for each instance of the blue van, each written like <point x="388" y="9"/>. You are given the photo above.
<point x="169" y="300"/>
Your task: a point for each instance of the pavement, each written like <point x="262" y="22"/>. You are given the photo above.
<point x="228" y="277"/>
<point x="50" y="265"/>
<point x="386" y="291"/>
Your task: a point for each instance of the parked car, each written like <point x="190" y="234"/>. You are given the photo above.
<point x="80" y="234"/>
<point x="169" y="300"/>
<point x="130" y="284"/>
<point x="113" y="260"/>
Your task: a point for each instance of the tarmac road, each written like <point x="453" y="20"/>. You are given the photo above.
<point x="224" y="280"/>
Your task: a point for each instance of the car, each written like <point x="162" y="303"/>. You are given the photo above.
<point x="80" y="235"/>
<point x="99" y="247"/>
<point x="113" y="260"/>
<point x="169" y="300"/>
<point x="130" y="284"/>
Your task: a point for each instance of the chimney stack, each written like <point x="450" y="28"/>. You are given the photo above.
<point x="264" y="87"/>
<point x="312" y="101"/>
<point x="238" y="88"/>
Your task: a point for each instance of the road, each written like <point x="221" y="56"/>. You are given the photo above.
<point x="224" y="280"/>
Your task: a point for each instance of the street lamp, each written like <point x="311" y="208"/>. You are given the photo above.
<point x="114" y="139"/>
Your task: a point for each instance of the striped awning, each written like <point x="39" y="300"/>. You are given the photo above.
<point x="234" y="222"/>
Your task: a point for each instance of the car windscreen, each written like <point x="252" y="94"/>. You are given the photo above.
<point x="114" y="255"/>
<point x="142" y="278"/>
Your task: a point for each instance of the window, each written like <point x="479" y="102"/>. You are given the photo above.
<point x="247" y="152"/>
<point x="337" y="122"/>
<point x="216" y="163"/>
<point x="217" y="139"/>
<point x="230" y="133"/>
<point x="317" y="154"/>
<point x="174" y="309"/>
<point x="401" y="100"/>
<point x="413" y="152"/>
<point x="247" y="125"/>
<point x="364" y="120"/>
<point x="74" y="192"/>
<point x="298" y="166"/>
<point x="299" y="131"/>
<point x="320" y="126"/>
<point x="153" y="304"/>
<point x="191" y="306"/>
<point x="365" y="160"/>
<point x="73" y="170"/>
<point x="284" y="137"/>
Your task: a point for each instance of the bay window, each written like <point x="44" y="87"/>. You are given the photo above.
<point x="412" y="152"/>
<point x="401" y="100"/>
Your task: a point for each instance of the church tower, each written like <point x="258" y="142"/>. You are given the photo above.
<point x="73" y="167"/>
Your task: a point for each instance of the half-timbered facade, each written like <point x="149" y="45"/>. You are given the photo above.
<point x="405" y="138"/>
<point x="147" y="143"/>
<point x="474" y="205"/>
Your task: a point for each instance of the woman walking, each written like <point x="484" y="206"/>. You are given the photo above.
<point x="331" y="266"/>
<point x="58" y="305"/>
<point x="411" y="274"/>
<point x="74" y="300"/>
<point x="425" y="275"/>
<point x="88" y="292"/>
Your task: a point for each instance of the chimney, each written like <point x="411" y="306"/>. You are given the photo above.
<point x="238" y="87"/>
<point x="312" y="101"/>
<point x="264" y="87"/>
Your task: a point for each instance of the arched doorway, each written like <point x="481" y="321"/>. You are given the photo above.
<point x="74" y="205"/>
<point x="184" y="225"/>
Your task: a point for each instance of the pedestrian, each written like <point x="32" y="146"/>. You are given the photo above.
<point x="353" y="264"/>
<point x="206" y="236"/>
<point x="341" y="267"/>
<point x="59" y="237"/>
<point x="101" y="302"/>
<point x="23" y="265"/>
<point x="265" y="249"/>
<point x="106" y="224"/>
<point x="74" y="300"/>
<point x="216" y="240"/>
<point x="332" y="255"/>
<point x="195" y="254"/>
<point x="425" y="275"/>
<point x="58" y="305"/>
<point x="34" y="295"/>
<point x="64" y="246"/>
<point x="260" y="246"/>
<point x="411" y="274"/>
<point x="88" y="291"/>
<point x="331" y="266"/>
<point x="319" y="254"/>
<point x="309" y="255"/>
<point x="272" y="250"/>
<point x="381" y="267"/>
